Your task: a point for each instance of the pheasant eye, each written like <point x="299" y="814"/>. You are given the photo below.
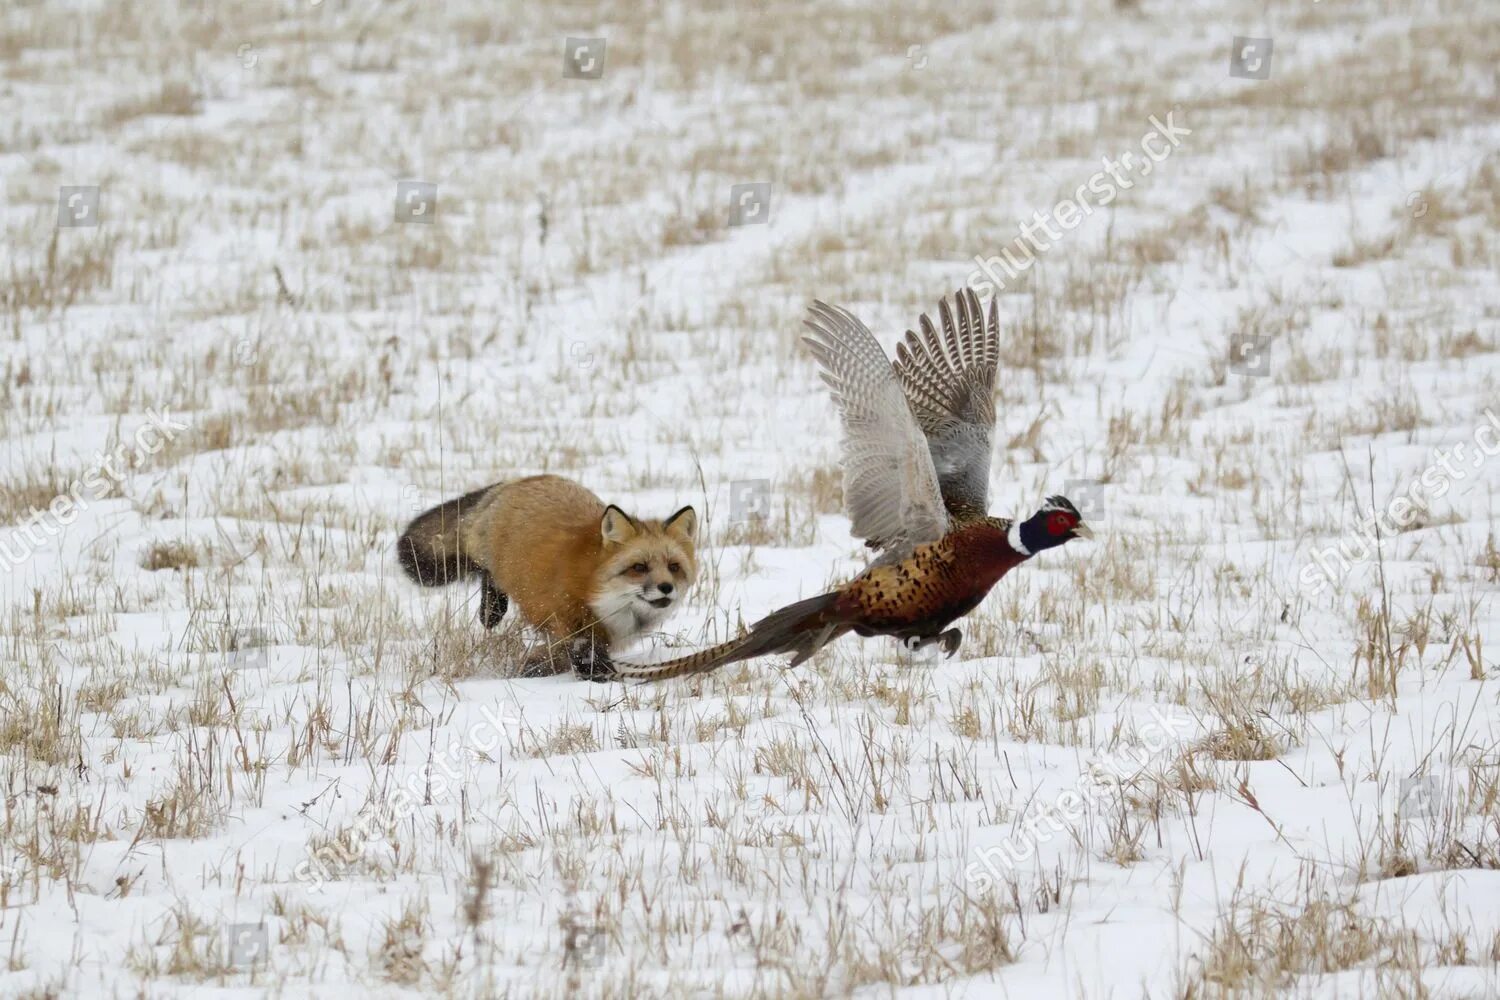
<point x="1058" y="523"/>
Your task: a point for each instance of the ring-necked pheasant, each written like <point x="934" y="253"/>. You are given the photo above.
<point x="916" y="481"/>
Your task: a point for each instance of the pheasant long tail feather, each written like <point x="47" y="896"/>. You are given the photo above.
<point x="698" y="663"/>
<point x="802" y="627"/>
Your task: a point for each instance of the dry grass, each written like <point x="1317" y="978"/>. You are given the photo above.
<point x="1261" y="949"/>
<point x="57" y="272"/>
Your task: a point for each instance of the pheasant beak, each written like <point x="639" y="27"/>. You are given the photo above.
<point x="1082" y="530"/>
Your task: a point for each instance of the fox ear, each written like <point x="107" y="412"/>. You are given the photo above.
<point x="684" y="522"/>
<point x="616" y="526"/>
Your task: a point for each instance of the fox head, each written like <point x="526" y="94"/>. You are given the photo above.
<point x="648" y="565"/>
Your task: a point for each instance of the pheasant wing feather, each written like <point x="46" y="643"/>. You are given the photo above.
<point x="890" y="487"/>
<point x="948" y="375"/>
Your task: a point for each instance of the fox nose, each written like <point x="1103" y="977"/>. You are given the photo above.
<point x="665" y="588"/>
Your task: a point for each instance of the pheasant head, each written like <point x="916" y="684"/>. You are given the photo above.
<point x="1057" y="522"/>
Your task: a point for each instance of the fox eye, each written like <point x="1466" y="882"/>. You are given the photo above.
<point x="639" y="568"/>
<point x="673" y="567"/>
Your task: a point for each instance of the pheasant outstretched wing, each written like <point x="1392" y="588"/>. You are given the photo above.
<point x="890" y="487"/>
<point x="948" y="376"/>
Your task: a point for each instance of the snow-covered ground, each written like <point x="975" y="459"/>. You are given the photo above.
<point x="275" y="277"/>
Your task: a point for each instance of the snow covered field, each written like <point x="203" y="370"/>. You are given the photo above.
<point x="275" y="277"/>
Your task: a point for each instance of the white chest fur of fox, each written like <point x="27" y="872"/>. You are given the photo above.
<point x="586" y="574"/>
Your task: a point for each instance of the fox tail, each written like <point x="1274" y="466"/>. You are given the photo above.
<point x="431" y="548"/>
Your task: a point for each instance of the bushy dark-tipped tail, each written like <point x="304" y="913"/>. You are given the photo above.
<point x="431" y="548"/>
<point x="802" y="628"/>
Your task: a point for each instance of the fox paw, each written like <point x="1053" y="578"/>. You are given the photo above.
<point x="593" y="665"/>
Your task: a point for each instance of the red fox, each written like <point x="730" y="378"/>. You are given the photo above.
<point x="588" y="575"/>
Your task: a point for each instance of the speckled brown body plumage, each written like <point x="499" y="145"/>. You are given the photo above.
<point x="935" y="585"/>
